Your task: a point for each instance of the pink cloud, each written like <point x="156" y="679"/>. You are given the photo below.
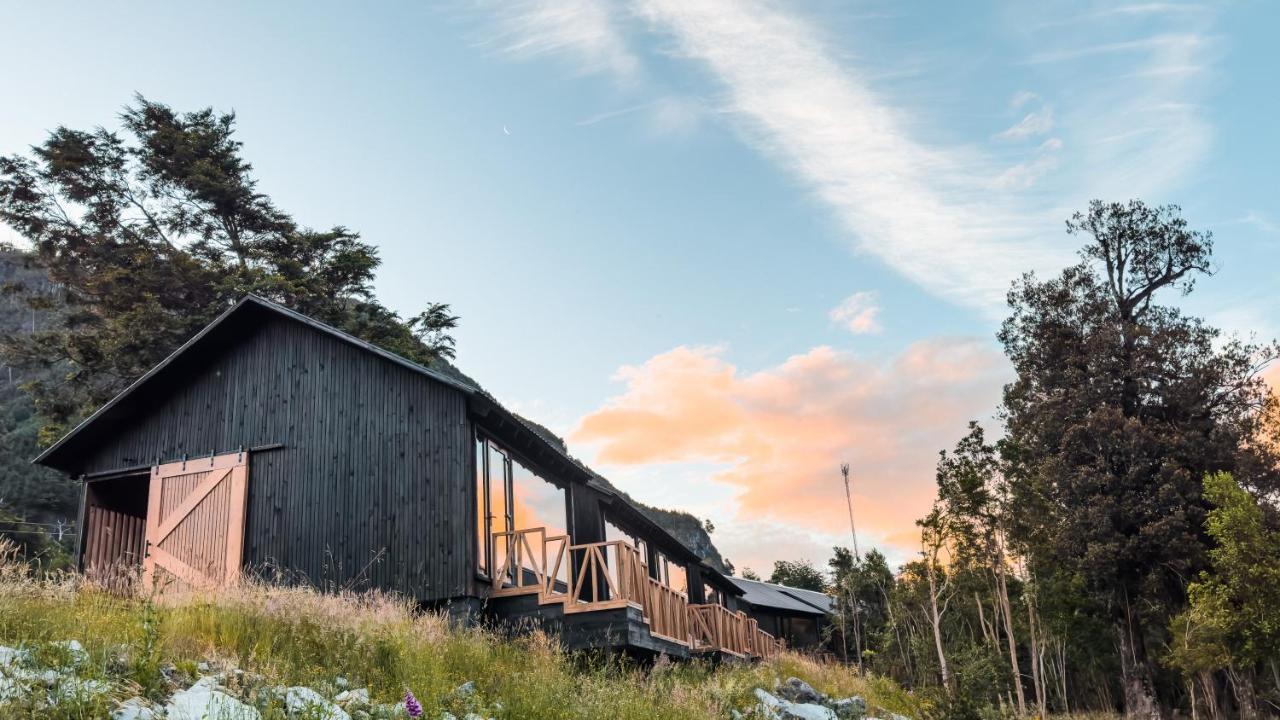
<point x="781" y="433"/>
<point x="859" y="313"/>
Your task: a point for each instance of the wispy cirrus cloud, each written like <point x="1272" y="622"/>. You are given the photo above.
<point x="587" y="32"/>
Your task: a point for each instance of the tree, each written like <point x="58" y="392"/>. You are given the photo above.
<point x="749" y="574"/>
<point x="863" y="587"/>
<point x="798" y="574"/>
<point x="972" y="495"/>
<point x="935" y="538"/>
<point x="1232" y="623"/>
<point x="152" y="231"/>
<point x="1119" y="406"/>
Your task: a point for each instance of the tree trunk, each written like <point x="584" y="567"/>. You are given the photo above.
<point x="1135" y="676"/>
<point x="1246" y="698"/>
<point x="935" y="619"/>
<point x="1037" y="657"/>
<point x="1007" y="611"/>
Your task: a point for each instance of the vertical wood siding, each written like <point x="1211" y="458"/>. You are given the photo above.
<point x="372" y="487"/>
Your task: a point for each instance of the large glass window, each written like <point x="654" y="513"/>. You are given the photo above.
<point x="510" y="497"/>
<point x="711" y="595"/>
<point x="671" y="573"/>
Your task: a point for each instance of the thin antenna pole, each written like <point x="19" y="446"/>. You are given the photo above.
<point x="848" y="497"/>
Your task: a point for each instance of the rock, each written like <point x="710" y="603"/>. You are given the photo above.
<point x="466" y="689"/>
<point x="13" y="657"/>
<point x="134" y="709"/>
<point x="807" y="711"/>
<point x="312" y="704"/>
<point x="203" y="700"/>
<point x="779" y="709"/>
<point x="74" y="650"/>
<point x="359" y="696"/>
<point x="474" y="716"/>
<point x="10" y="689"/>
<point x="74" y="688"/>
<point x="850" y="708"/>
<point x="799" y="691"/>
<point x="340" y="682"/>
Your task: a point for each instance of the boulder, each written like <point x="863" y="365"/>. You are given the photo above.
<point x="204" y="700"/>
<point x="466" y="689"/>
<point x="798" y="691"/>
<point x="73" y="688"/>
<point x="74" y="651"/>
<point x="359" y="696"/>
<point x="311" y="704"/>
<point x="10" y="689"/>
<point x="850" y="708"/>
<point x="134" y="709"/>
<point x="778" y="708"/>
<point x="13" y="657"/>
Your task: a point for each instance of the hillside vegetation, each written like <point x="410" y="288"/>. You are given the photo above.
<point x="280" y="636"/>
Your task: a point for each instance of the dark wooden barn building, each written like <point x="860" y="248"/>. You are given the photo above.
<point x="270" y="441"/>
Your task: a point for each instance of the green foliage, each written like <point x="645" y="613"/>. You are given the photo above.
<point x="1233" y="618"/>
<point x="148" y="234"/>
<point x="798" y="574"/>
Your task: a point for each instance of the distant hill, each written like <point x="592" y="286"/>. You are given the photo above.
<point x="32" y="498"/>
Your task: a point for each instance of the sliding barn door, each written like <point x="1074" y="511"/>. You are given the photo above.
<point x="195" y="522"/>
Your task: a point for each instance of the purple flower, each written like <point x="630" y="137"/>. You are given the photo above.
<point x="411" y="704"/>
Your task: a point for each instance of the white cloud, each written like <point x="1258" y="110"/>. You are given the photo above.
<point x="585" y="30"/>
<point x="960" y="220"/>
<point x="858" y="313"/>
<point x="923" y="210"/>
<point x="1031" y="124"/>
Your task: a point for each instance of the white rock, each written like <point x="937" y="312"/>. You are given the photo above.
<point x="134" y="709"/>
<point x="779" y="709"/>
<point x="203" y="701"/>
<point x="807" y="711"/>
<point x="74" y="688"/>
<point x="75" y="651"/>
<point x="305" y="700"/>
<point x="359" y="695"/>
<point x="10" y="689"/>
<point x="11" y="657"/>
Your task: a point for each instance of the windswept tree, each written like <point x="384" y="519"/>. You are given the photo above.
<point x="1119" y="407"/>
<point x="152" y="231"/>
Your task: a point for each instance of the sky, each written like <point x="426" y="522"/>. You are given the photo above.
<point x="722" y="247"/>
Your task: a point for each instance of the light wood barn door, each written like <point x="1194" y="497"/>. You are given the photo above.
<point x="195" y="522"/>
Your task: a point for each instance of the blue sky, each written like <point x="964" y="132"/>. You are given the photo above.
<point x="649" y="214"/>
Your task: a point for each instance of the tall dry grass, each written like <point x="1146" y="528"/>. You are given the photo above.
<point x="294" y="635"/>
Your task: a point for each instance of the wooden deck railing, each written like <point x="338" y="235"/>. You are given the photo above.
<point x="714" y="628"/>
<point x="604" y="575"/>
<point x="667" y="612"/>
<point x="530" y="562"/>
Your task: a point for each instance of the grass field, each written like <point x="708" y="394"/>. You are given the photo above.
<point x="296" y="636"/>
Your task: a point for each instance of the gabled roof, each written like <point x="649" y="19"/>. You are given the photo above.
<point x="784" y="598"/>
<point x="243" y="310"/>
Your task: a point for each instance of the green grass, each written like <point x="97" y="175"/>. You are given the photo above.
<point x="295" y="636"/>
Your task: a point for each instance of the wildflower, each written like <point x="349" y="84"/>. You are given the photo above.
<point x="411" y="704"/>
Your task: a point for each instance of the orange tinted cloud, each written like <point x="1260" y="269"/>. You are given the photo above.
<point x="781" y="433"/>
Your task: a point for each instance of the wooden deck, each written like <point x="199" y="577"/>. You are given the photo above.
<point x="612" y="578"/>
